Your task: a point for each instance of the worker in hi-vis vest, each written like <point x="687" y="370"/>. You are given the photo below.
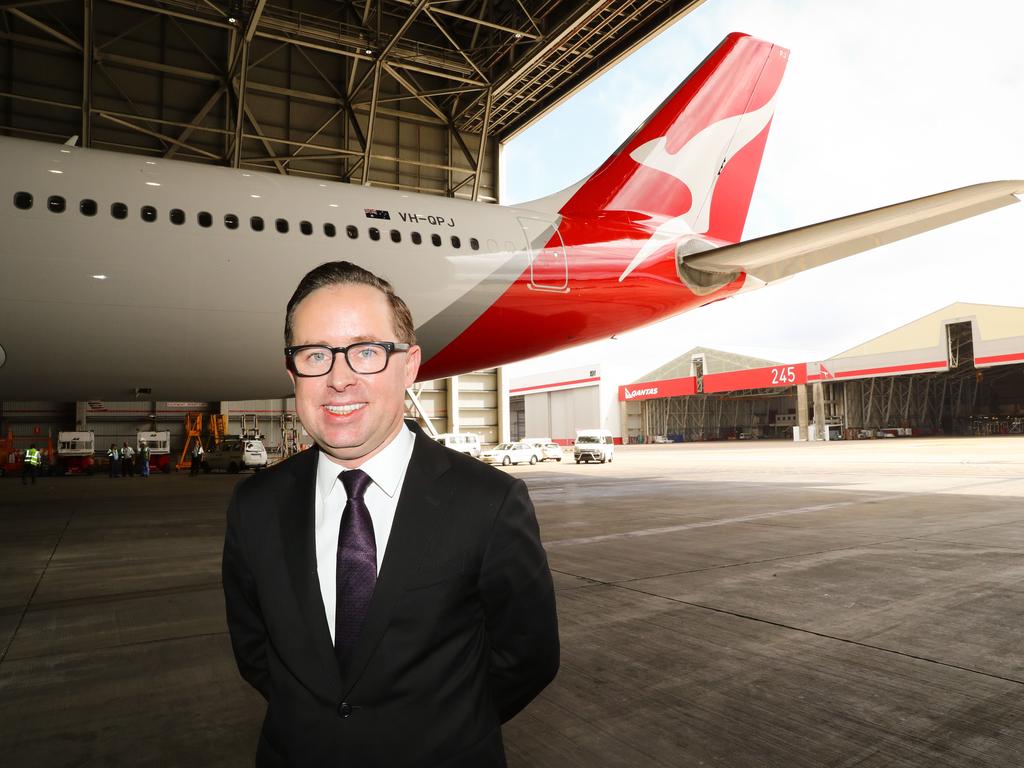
<point x="33" y="458"/>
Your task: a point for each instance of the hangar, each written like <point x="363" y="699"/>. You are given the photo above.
<point x="956" y="371"/>
<point x="413" y="96"/>
<point x="112" y="612"/>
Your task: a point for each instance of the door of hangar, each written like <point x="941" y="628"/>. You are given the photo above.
<point x="549" y="270"/>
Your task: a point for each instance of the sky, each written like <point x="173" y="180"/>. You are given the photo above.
<point x="881" y="102"/>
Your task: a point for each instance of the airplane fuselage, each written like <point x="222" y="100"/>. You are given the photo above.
<point x="197" y="264"/>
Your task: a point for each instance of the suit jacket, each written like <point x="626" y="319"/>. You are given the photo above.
<point x="460" y="635"/>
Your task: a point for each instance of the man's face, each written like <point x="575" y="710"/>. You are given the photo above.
<point x="351" y="415"/>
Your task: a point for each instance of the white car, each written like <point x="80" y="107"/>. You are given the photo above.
<point x="235" y="454"/>
<point x="551" y="451"/>
<point x="511" y="453"/>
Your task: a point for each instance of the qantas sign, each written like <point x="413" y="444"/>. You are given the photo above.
<point x="132" y="277"/>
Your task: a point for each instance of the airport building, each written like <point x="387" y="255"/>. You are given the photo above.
<point x="956" y="371"/>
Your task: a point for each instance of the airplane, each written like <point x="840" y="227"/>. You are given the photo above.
<point x="125" y="277"/>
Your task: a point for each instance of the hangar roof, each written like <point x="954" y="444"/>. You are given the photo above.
<point x="994" y="323"/>
<point x="715" y="361"/>
<point x="389" y="92"/>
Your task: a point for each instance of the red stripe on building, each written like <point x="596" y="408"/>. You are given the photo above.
<point x="756" y="378"/>
<point x="557" y="384"/>
<point x="648" y="390"/>
<point x="993" y="359"/>
<point x="938" y="365"/>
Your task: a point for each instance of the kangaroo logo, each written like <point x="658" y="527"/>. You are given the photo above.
<point x="698" y="164"/>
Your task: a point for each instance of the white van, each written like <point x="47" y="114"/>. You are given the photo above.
<point x="593" y="445"/>
<point x="235" y="454"/>
<point x="463" y="442"/>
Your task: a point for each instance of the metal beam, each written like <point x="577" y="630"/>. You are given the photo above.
<point x="254" y="20"/>
<point x="73" y="44"/>
<point x="483" y="143"/>
<point x="416" y="94"/>
<point x="518" y="33"/>
<point x="152" y="66"/>
<point x="156" y="134"/>
<point x="242" y="62"/>
<point x="88" y="41"/>
<point x="455" y="44"/>
<point x="200" y="116"/>
<point x="383" y="54"/>
<point x="369" y="127"/>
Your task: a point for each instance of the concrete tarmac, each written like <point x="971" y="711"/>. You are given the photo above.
<point x="746" y="605"/>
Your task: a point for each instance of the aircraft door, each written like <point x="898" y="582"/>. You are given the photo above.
<point x="549" y="269"/>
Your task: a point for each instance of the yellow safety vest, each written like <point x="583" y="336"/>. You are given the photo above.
<point x="32" y="456"/>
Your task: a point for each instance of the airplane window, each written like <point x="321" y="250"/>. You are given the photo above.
<point x="352" y="232"/>
<point x="456" y="242"/>
<point x="87" y="207"/>
<point x="306" y="228"/>
<point x="177" y="216"/>
<point x="22" y="200"/>
<point x="205" y="219"/>
<point x="119" y="210"/>
<point x="256" y="222"/>
<point x="374" y="233"/>
<point x="474" y="244"/>
<point x="148" y="213"/>
<point x="329" y="230"/>
<point x="396" y="236"/>
<point x="230" y="221"/>
<point x="282" y="226"/>
<point x="417" y="238"/>
<point x="56" y="204"/>
<point x="436" y="240"/>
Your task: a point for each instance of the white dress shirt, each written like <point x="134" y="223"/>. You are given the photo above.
<point x="387" y="471"/>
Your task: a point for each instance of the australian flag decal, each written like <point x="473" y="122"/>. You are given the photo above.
<point x="376" y="213"/>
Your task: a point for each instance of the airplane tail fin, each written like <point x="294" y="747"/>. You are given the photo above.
<point x="696" y="157"/>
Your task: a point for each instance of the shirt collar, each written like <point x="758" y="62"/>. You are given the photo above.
<point x="386" y="469"/>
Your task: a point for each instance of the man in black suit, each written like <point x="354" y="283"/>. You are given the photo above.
<point x="388" y="597"/>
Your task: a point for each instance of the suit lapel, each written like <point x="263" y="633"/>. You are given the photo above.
<point x="421" y="500"/>
<point x="298" y="537"/>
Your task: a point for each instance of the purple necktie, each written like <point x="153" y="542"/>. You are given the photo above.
<point x="357" y="565"/>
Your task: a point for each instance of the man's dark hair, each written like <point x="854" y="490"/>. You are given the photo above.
<point x="345" y="273"/>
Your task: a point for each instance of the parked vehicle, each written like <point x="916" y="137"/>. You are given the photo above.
<point x="593" y="445"/>
<point x="75" y="453"/>
<point x="551" y="451"/>
<point x="546" y="447"/>
<point x="511" y="453"/>
<point x="463" y="442"/>
<point x="159" y="444"/>
<point x="235" y="454"/>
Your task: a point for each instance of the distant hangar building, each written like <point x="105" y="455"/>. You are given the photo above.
<point x="956" y="371"/>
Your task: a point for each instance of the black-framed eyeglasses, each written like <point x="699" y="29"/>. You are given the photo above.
<point x="364" y="357"/>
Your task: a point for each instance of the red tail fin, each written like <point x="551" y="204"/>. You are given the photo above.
<point x="696" y="158"/>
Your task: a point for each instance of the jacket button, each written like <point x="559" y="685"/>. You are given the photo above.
<point x="344" y="709"/>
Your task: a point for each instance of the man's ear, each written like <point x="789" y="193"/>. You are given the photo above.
<point x="412" y="365"/>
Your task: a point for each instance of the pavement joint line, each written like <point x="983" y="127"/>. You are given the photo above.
<point x="117" y="646"/>
<point x="720" y="522"/>
<point x="72" y="602"/>
<point x="751" y="562"/>
<point x="42" y="574"/>
<point x="823" y="635"/>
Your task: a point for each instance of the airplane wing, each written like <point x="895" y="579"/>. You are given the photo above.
<point x="781" y="255"/>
